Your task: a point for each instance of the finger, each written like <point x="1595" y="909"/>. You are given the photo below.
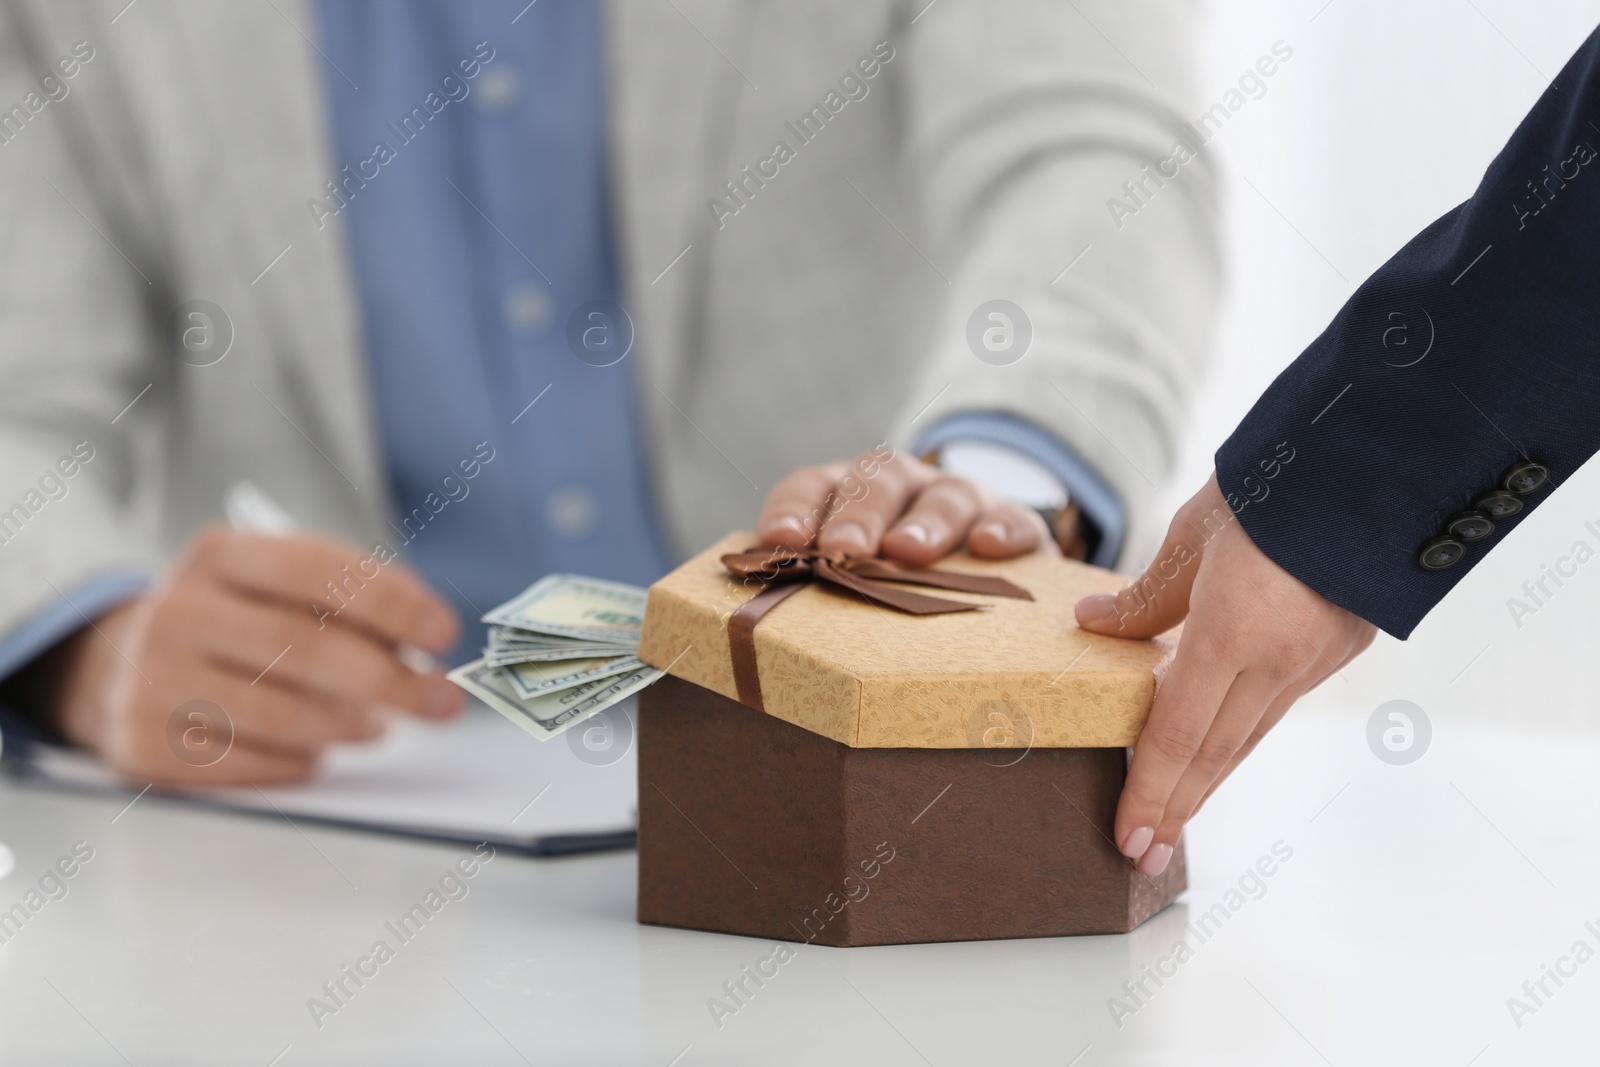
<point x="339" y="582"/>
<point x="268" y="715"/>
<point x="1186" y="704"/>
<point x="1274" y="715"/>
<point x="246" y="765"/>
<point x="1154" y="602"/>
<point x="1008" y="530"/>
<point x="863" y="509"/>
<point x="1280" y="707"/>
<point x="296" y="726"/>
<point x="936" y="522"/>
<point x="150" y="755"/>
<point x="795" y="508"/>
<point x="266" y="641"/>
<point x="1248" y="699"/>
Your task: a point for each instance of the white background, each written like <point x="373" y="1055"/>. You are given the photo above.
<point x="1384" y="119"/>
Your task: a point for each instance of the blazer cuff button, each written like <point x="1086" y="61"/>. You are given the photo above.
<point x="1441" y="553"/>
<point x="1469" y="526"/>
<point x="1498" y="504"/>
<point x="1523" y="478"/>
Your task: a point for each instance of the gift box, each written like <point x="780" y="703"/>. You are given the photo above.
<point x="822" y="763"/>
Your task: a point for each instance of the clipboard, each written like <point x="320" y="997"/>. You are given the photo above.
<point x="478" y="779"/>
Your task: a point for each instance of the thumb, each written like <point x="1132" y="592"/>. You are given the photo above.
<point x="1157" y="600"/>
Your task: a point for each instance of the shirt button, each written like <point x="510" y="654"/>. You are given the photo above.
<point x="498" y="88"/>
<point x="1441" y="553"/>
<point x="528" y="307"/>
<point x="571" y="512"/>
<point x="1469" y="526"/>
<point x="1524" y="477"/>
<point x="1498" y="504"/>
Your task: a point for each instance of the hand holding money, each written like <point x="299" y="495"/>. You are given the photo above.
<point x="559" y="652"/>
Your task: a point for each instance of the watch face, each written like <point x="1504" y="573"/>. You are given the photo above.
<point x="1005" y="473"/>
<point x="1013" y="462"/>
<point x="1008" y="474"/>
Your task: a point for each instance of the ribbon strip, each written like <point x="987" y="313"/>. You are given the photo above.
<point x="786" y="572"/>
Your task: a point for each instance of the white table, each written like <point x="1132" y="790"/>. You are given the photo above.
<point x="1417" y="900"/>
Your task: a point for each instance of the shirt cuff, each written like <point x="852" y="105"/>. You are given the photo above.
<point x="1098" y="502"/>
<point x="66" y="616"/>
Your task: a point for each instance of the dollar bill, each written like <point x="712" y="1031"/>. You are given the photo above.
<point x="563" y="649"/>
<point x="532" y="679"/>
<point x="552" y="713"/>
<point x="511" y="637"/>
<point x="496" y="656"/>
<point x="568" y="605"/>
<point x="508" y="645"/>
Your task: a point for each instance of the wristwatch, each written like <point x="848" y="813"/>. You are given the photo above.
<point x="1018" y="461"/>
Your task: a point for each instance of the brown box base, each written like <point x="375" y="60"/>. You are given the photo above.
<point x="751" y="825"/>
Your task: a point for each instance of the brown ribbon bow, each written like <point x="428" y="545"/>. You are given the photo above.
<point x="787" y="572"/>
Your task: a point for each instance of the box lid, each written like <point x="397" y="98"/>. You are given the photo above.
<point x="1016" y="674"/>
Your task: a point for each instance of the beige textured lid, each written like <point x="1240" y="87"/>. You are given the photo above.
<point x="1019" y="673"/>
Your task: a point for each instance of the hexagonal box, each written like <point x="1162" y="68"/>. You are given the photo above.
<point x="910" y="778"/>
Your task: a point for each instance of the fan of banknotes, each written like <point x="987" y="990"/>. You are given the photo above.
<point x="563" y="649"/>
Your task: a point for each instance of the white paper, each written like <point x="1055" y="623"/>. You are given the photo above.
<point x="477" y="777"/>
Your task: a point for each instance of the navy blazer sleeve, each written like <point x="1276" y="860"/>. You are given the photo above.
<point x="1408" y="439"/>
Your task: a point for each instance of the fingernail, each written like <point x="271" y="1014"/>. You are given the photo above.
<point x="419" y="661"/>
<point x="848" y="537"/>
<point x="441" y="701"/>
<point x="916" y="531"/>
<point x="1155" y="861"/>
<point x="790" y="525"/>
<point x="1102" y="607"/>
<point x="434" y="629"/>
<point x="1138" y="841"/>
<point x="994" y="529"/>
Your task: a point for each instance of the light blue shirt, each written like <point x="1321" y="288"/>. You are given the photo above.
<point x="484" y="259"/>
